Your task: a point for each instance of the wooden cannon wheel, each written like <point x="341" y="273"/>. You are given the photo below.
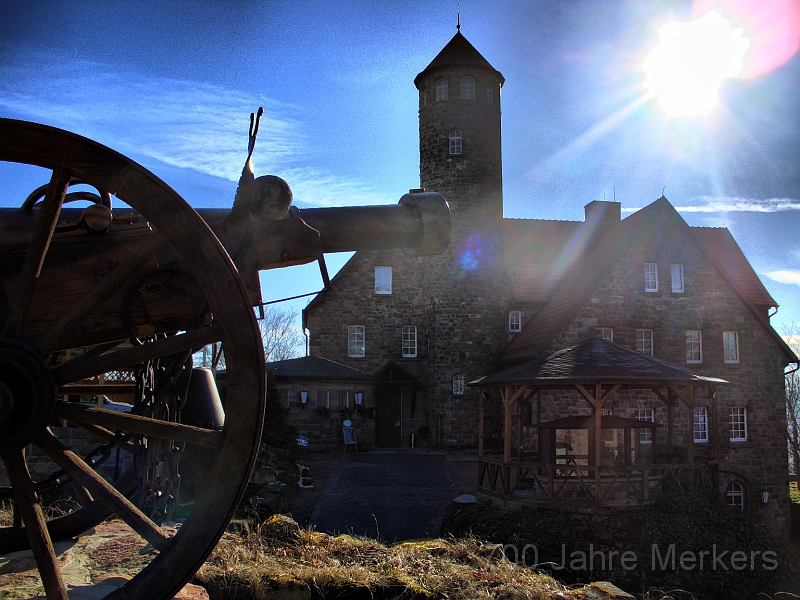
<point x="29" y="381"/>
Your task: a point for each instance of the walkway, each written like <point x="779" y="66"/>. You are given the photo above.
<point x="390" y="496"/>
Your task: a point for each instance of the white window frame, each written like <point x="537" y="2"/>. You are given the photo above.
<point x="409" y="341"/>
<point x="324" y="399"/>
<point x="383" y="280"/>
<point x="514" y="321"/>
<point x="467" y="88"/>
<point x="676" y="271"/>
<point x="735" y="494"/>
<point x="700" y="424"/>
<point x="459" y="384"/>
<point x="694" y="346"/>
<point x="441" y="90"/>
<point x="650" y="277"/>
<point x="730" y="347"/>
<point x="456" y="145"/>
<point x="344" y="400"/>
<point x="606" y="333"/>
<point x="356" y="341"/>
<point x="738" y="424"/>
<point x="645" y="414"/>
<point x="644" y="341"/>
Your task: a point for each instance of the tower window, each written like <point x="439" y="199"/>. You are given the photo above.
<point x="441" y="90"/>
<point x="467" y="88"/>
<point x="458" y="384"/>
<point x="409" y="341"/>
<point x="356" y="347"/>
<point x="455" y="142"/>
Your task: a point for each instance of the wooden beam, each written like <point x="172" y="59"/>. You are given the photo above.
<point x="687" y="400"/>
<point x="585" y="393"/>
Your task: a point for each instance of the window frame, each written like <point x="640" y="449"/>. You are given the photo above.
<point x="344" y="394"/>
<point x="645" y="435"/>
<point x="680" y="287"/>
<point x="354" y="332"/>
<point x="650" y="278"/>
<point x="727" y="359"/>
<point x="691" y="351"/>
<point x="735" y="423"/>
<point x="409" y="334"/>
<point x="604" y="330"/>
<point x="467" y="88"/>
<point x="641" y="339"/>
<point x="456" y="142"/>
<point x="459" y="384"/>
<point x="700" y="425"/>
<point x="514" y="321"/>
<point x="441" y="90"/>
<point x="326" y="395"/>
<point x="383" y="285"/>
<point x="731" y="494"/>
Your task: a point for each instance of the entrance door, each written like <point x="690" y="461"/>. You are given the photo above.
<point x="388" y="405"/>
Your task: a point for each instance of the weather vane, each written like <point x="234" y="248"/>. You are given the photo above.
<point x="458" y="23"/>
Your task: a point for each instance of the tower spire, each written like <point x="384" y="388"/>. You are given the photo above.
<point x="458" y="22"/>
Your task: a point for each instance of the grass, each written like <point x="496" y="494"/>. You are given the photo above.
<point x="258" y="562"/>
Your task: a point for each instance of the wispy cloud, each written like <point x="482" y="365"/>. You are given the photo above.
<point x="181" y="123"/>
<point x="791" y="277"/>
<point x="710" y="204"/>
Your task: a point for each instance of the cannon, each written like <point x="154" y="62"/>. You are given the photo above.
<point x="116" y="301"/>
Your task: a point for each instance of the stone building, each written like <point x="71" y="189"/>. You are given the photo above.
<point x="508" y="291"/>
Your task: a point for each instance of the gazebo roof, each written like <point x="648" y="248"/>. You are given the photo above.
<point x="587" y="422"/>
<point x="596" y="361"/>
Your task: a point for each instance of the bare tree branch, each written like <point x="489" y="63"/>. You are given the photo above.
<point x="792" y="335"/>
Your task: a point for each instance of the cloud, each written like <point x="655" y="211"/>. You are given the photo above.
<point x="791" y="277"/>
<point x="185" y="124"/>
<point x="710" y="204"/>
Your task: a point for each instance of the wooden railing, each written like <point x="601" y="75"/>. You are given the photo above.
<point x="588" y="483"/>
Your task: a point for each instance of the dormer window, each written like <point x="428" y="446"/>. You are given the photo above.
<point x="455" y="142"/>
<point x="467" y="88"/>
<point x="441" y="90"/>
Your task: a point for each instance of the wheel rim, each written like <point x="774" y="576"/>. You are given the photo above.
<point x="70" y="155"/>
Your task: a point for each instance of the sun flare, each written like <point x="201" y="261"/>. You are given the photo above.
<point x="687" y="66"/>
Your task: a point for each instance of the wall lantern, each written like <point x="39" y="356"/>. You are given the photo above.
<point x="764" y="497"/>
<point x="359" y="398"/>
<point x="303" y="398"/>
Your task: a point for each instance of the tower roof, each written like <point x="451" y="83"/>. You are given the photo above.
<point x="458" y="53"/>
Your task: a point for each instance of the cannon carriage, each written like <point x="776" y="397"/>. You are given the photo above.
<point x="88" y="292"/>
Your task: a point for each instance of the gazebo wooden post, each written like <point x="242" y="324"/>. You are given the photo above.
<point x="510" y="396"/>
<point x="715" y="425"/>
<point x="520" y="415"/>
<point x="598" y="437"/>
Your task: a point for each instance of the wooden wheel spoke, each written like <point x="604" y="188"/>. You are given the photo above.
<point x="110" y="284"/>
<point x="123" y="359"/>
<point x="37" y="250"/>
<point x="113" y="420"/>
<point x="35" y="526"/>
<point x="101" y="490"/>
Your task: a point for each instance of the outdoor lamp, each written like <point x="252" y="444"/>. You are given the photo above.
<point x="765" y="497"/>
<point x="303" y="398"/>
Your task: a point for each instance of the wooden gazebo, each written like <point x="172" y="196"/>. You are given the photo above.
<point x="596" y="369"/>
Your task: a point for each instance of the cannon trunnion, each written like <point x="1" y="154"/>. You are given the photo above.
<point x="117" y="302"/>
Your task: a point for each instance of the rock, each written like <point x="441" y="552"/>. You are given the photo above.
<point x="605" y="590"/>
<point x="280" y="528"/>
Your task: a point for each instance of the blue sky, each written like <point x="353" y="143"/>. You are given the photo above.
<point x="171" y="84"/>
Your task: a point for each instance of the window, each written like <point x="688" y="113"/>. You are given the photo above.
<point x="735" y="495"/>
<point x="730" y="346"/>
<point x="441" y="90"/>
<point x="700" y="424"/>
<point x="323" y="400"/>
<point x="489" y="94"/>
<point x="650" y="277"/>
<point x="694" y="346"/>
<point x="605" y="333"/>
<point x="467" y="88"/>
<point x="455" y="142"/>
<point x="645" y="414"/>
<point x="356" y="347"/>
<point x="383" y="280"/>
<point x="344" y="400"/>
<point x="458" y="384"/>
<point x="644" y="341"/>
<point x="739" y="424"/>
<point x="514" y="321"/>
<point x="285" y="399"/>
<point x="677" y="279"/>
<point x="409" y="341"/>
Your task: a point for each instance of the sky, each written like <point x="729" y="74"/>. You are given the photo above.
<point x="171" y="85"/>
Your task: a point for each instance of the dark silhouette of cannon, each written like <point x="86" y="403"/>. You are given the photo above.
<point x="102" y="301"/>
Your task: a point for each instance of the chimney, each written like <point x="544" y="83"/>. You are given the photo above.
<point x="603" y="214"/>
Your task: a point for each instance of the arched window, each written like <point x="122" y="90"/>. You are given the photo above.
<point x="455" y="142"/>
<point x="735" y="495"/>
<point x="467" y="88"/>
<point x="441" y="90"/>
<point x="458" y="384"/>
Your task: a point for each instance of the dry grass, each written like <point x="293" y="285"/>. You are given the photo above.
<point x="278" y="554"/>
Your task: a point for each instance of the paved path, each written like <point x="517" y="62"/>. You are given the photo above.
<point x="390" y="496"/>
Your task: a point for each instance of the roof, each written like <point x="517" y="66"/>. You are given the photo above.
<point x="391" y="372"/>
<point x="458" y="53"/>
<point x="596" y="361"/>
<point x="315" y="367"/>
<point x="606" y="422"/>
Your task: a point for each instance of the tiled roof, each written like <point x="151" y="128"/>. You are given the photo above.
<point x="593" y="361"/>
<point x="458" y="53"/>
<point x="315" y="367"/>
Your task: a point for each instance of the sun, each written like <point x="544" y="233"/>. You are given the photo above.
<point x="687" y="66"/>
